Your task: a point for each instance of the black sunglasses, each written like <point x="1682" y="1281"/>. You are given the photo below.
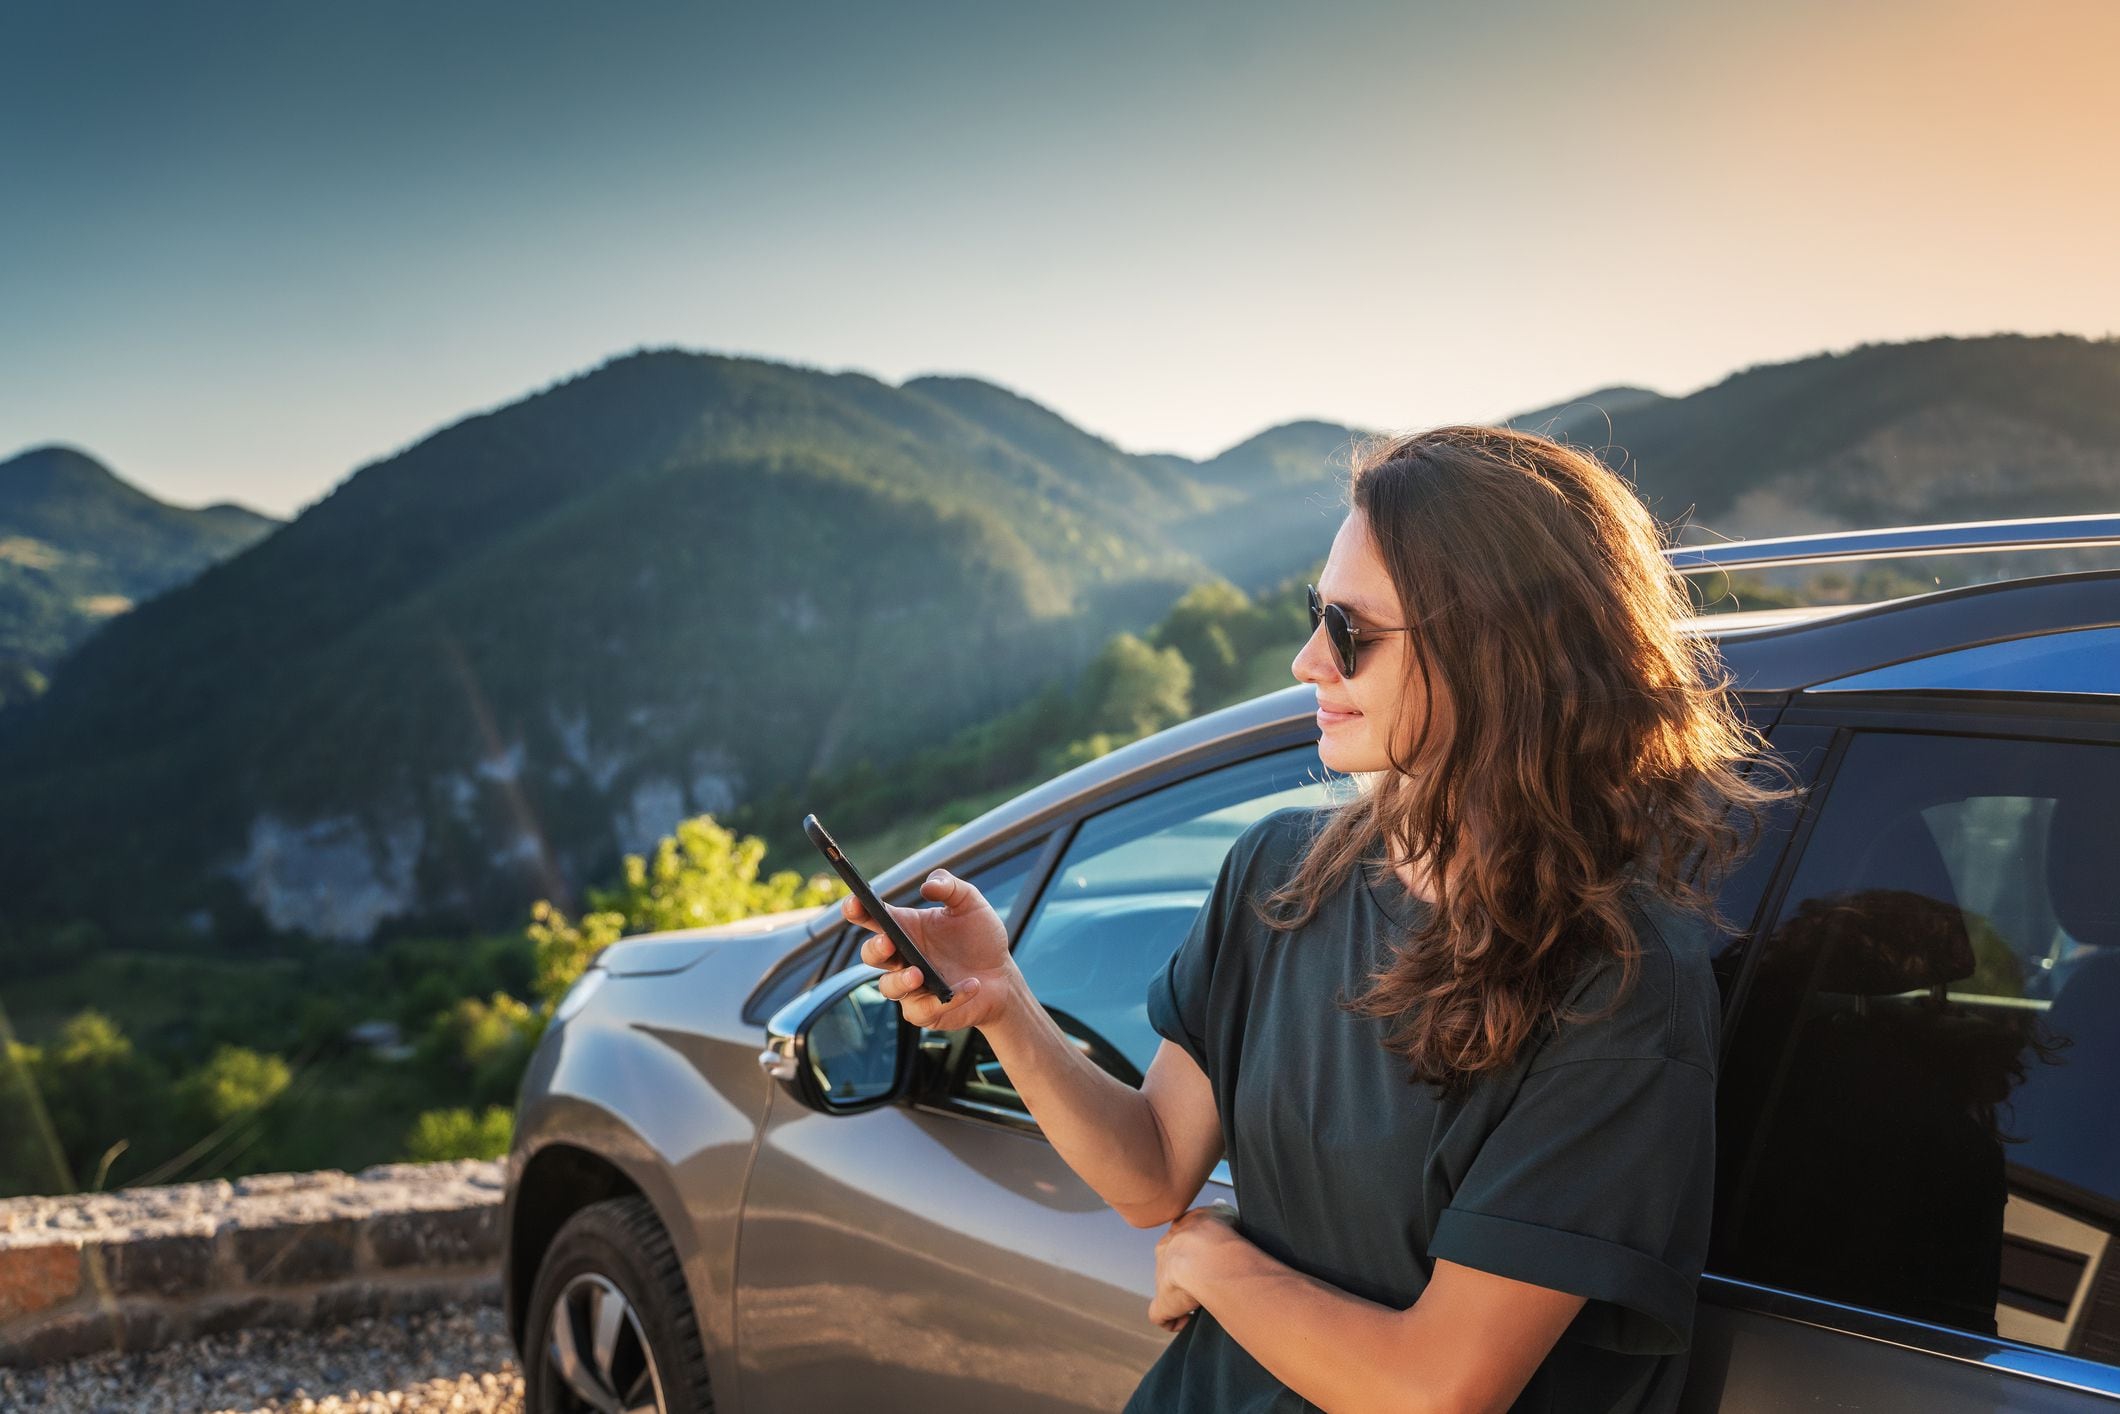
<point x="1340" y="631"/>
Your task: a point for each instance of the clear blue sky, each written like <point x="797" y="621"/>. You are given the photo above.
<point x="245" y="249"/>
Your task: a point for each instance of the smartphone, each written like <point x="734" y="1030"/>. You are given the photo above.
<point x="873" y="906"/>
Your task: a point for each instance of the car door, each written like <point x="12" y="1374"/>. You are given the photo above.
<point x="1919" y="1175"/>
<point x="936" y="1254"/>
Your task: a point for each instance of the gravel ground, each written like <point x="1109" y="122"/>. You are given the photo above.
<point x="453" y="1359"/>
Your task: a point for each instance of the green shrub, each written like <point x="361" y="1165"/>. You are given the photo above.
<point x="235" y="1081"/>
<point x="704" y="874"/>
<point x="439" y="1135"/>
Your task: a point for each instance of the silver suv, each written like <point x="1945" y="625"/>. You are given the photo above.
<point x="741" y="1181"/>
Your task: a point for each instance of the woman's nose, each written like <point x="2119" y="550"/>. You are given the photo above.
<point x="1312" y="664"/>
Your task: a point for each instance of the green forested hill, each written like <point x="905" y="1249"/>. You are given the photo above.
<point x="480" y="668"/>
<point x="484" y="666"/>
<point x="1287" y="485"/>
<point x="79" y="546"/>
<point x="1138" y="487"/>
<point x="1586" y="421"/>
<point x="1886" y="434"/>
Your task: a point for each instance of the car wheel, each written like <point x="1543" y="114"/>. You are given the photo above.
<point x="611" y="1328"/>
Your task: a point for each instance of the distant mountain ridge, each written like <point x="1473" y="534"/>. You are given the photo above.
<point x="1587" y="420"/>
<point x="79" y="545"/>
<point x="1884" y="434"/>
<point x="481" y="667"/>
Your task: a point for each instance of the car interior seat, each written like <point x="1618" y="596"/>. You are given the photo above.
<point x="2063" y="1109"/>
<point x="1112" y="954"/>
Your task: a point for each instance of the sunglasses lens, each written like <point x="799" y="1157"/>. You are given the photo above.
<point x="1338" y="631"/>
<point x="1342" y="634"/>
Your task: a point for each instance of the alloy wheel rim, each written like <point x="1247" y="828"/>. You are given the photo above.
<point x="599" y="1351"/>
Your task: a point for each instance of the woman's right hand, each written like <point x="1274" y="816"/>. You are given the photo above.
<point x="964" y="938"/>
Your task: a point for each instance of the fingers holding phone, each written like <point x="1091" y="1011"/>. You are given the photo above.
<point x="964" y="938"/>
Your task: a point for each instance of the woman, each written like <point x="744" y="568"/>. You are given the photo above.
<point x="1459" y="1033"/>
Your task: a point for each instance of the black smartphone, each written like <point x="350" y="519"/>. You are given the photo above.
<point x="873" y="906"/>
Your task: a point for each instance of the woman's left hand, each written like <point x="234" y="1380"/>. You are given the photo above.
<point x="1178" y="1252"/>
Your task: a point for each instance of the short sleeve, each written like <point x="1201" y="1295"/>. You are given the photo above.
<point x="1598" y="1180"/>
<point x="1178" y="994"/>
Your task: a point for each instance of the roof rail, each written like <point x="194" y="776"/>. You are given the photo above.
<point x="2039" y="533"/>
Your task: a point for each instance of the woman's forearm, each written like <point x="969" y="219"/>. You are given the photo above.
<point x="1342" y="1353"/>
<point x="1105" y="1129"/>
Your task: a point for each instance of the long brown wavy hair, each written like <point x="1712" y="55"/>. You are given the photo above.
<point x="1592" y="747"/>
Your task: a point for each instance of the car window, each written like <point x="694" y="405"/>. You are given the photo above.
<point x="1743" y="890"/>
<point x="1120" y="902"/>
<point x="1923" y="1074"/>
<point x="1001" y="881"/>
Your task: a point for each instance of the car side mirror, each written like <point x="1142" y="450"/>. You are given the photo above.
<point x="842" y="1046"/>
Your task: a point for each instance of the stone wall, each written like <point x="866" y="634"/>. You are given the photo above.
<point x="144" y="1267"/>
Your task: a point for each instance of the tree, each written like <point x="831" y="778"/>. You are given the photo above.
<point x="440" y="1135"/>
<point x="235" y="1081"/>
<point x="565" y="948"/>
<point x="31" y="1160"/>
<point x="96" y="1092"/>
<point x="489" y="1041"/>
<point x="1216" y="628"/>
<point x="1134" y="689"/>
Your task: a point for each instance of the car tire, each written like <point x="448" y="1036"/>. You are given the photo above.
<point x="651" y="1357"/>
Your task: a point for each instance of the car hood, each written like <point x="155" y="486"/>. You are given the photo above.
<point x="648" y="954"/>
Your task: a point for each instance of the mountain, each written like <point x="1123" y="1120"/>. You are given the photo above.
<point x="1883" y="434"/>
<point x="485" y="665"/>
<point x="1287" y="488"/>
<point x="79" y="545"/>
<point x="1886" y="434"/>
<point x="1585" y="421"/>
<point x="482" y="667"/>
<point x="1141" y="487"/>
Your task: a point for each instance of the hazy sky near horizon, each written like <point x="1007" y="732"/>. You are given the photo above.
<point x="247" y="249"/>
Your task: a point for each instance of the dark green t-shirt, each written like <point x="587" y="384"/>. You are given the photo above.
<point x="1587" y="1166"/>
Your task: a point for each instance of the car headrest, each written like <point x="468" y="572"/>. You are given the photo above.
<point x="1903" y="930"/>
<point x="2083" y="867"/>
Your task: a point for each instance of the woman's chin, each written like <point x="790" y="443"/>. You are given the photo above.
<point x="1348" y="758"/>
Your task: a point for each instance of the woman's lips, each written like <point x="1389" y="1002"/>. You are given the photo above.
<point x="1329" y="716"/>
